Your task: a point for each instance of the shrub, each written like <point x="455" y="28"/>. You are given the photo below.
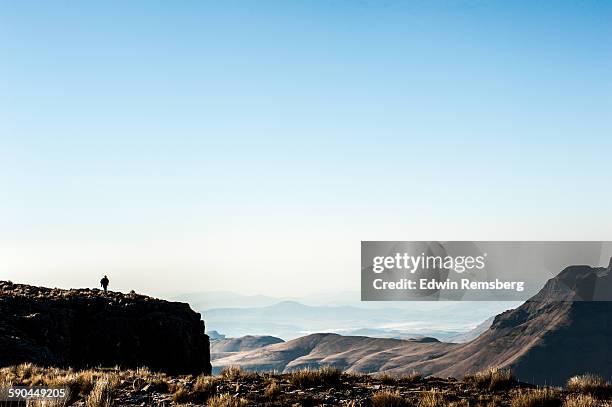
<point x="492" y="379"/>
<point x="581" y="401"/>
<point x="310" y="378"/>
<point x="588" y="384"/>
<point x="388" y="398"/>
<point x="537" y="398"/>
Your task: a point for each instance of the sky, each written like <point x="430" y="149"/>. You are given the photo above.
<point x="250" y="146"/>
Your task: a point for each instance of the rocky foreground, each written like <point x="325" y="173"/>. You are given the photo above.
<point x="325" y="387"/>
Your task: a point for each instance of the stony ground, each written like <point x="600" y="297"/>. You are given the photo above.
<point x="327" y="387"/>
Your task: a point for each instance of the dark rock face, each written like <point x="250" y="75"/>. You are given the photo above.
<point x="562" y="331"/>
<point x="88" y="328"/>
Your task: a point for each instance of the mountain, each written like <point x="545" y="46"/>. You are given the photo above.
<point x="215" y="335"/>
<point x="556" y="334"/>
<point x="291" y="319"/>
<point x="228" y="346"/>
<point x="474" y="333"/>
<point x="245" y="343"/>
<point x="225" y="299"/>
<point x="84" y="328"/>
<point x="349" y="353"/>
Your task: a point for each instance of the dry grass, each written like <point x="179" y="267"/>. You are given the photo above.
<point x="311" y="378"/>
<point x="84" y="381"/>
<point x="581" y="400"/>
<point x="181" y="394"/>
<point x="387" y="398"/>
<point x="389" y="379"/>
<point x="234" y="373"/>
<point x="103" y="392"/>
<point x="236" y="388"/>
<point x="46" y="403"/>
<point x="410" y="378"/>
<point x="492" y="379"/>
<point x="26" y="374"/>
<point x="588" y="384"/>
<point x="226" y="400"/>
<point x="537" y="398"/>
<point x="273" y="390"/>
<point x="495" y="401"/>
<point x="432" y="398"/>
<point x="203" y="388"/>
<point x="386" y="378"/>
<point x="205" y="384"/>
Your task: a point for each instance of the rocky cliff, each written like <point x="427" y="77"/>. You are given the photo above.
<point x="87" y="328"/>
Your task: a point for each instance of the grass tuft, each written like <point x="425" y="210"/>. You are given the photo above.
<point x="537" y="398"/>
<point x="226" y="400"/>
<point x="432" y="398"/>
<point x="273" y="390"/>
<point x="103" y="392"/>
<point x="325" y="376"/>
<point x="386" y="378"/>
<point x="581" y="400"/>
<point x="234" y="373"/>
<point x="492" y="379"/>
<point x="387" y="398"/>
<point x="588" y="384"/>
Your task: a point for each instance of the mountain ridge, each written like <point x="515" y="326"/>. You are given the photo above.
<point x="554" y="335"/>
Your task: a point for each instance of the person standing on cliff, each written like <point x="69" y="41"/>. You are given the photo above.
<point x="104" y="283"/>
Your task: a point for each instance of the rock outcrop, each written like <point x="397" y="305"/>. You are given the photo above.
<point x="562" y="331"/>
<point x="89" y="328"/>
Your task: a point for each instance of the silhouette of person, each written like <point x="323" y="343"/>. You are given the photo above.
<point x="104" y="283"/>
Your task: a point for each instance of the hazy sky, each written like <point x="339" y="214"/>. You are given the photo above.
<point x="251" y="146"/>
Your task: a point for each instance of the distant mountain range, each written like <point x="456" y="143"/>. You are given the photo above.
<point x="291" y="319"/>
<point x="549" y="338"/>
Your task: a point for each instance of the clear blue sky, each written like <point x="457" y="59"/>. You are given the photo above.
<point x="250" y="146"/>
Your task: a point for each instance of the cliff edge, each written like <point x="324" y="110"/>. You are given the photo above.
<point x="83" y="328"/>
